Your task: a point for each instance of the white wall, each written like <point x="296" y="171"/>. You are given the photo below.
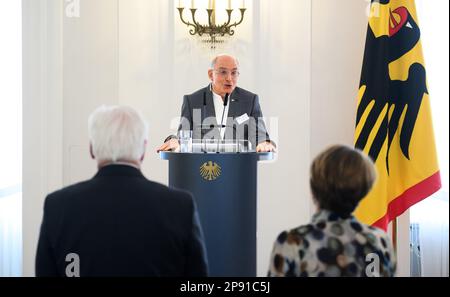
<point x="302" y="57"/>
<point x="91" y="78"/>
<point x="338" y="39"/>
<point x="42" y="116"/>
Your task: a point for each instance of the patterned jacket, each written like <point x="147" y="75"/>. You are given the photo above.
<point x="333" y="246"/>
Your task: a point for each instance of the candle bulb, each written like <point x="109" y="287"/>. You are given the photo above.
<point x="192" y="4"/>
<point x="179" y="3"/>
<point x="229" y="4"/>
<point x="243" y="3"/>
<point x="210" y="4"/>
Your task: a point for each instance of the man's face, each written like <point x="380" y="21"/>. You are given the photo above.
<point x="224" y="76"/>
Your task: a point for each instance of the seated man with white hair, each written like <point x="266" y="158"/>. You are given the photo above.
<point x="119" y="223"/>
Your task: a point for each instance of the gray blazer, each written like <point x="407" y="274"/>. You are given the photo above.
<point x="198" y="114"/>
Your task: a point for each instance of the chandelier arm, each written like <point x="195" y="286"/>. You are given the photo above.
<point x="226" y="27"/>
<point x="180" y="10"/>
<point x="210" y="13"/>
<point x="242" y="18"/>
<point x="197" y="25"/>
<point x="194" y="29"/>
<point x="229" y="12"/>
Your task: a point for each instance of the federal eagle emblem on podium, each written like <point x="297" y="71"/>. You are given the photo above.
<point x="210" y="170"/>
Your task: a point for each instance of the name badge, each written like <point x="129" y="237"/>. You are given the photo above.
<point x="243" y="118"/>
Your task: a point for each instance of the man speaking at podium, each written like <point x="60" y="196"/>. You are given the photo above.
<point x="222" y="110"/>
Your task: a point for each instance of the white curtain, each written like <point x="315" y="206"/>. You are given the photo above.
<point x="11" y="232"/>
<point x="432" y="217"/>
<point x="11" y="138"/>
<point x="432" y="213"/>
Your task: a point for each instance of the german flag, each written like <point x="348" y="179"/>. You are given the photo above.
<point x="393" y="121"/>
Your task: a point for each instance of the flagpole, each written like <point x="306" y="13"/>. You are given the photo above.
<point x="394" y="234"/>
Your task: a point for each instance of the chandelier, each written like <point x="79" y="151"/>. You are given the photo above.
<point x="212" y="29"/>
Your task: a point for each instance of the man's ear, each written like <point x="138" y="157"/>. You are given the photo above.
<point x="91" y="151"/>
<point x="210" y="74"/>
<point x="143" y="154"/>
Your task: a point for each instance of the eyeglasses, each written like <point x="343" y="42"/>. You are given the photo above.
<point x="225" y="73"/>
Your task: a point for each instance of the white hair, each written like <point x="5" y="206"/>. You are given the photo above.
<point x="214" y="60"/>
<point x="117" y="133"/>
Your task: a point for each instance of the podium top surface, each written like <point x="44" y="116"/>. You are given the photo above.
<point x="260" y="156"/>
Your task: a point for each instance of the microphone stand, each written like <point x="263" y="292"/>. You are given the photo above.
<point x="225" y="103"/>
<point x="201" y="122"/>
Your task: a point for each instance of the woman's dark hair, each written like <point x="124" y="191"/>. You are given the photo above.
<point x="340" y="177"/>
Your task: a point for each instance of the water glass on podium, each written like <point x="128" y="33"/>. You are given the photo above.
<point x="185" y="137"/>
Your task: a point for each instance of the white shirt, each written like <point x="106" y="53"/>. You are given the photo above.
<point x="218" y="107"/>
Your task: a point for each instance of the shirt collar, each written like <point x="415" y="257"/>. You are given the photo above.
<point x="126" y="164"/>
<point x="119" y="170"/>
<point x="123" y="164"/>
<point x="217" y="96"/>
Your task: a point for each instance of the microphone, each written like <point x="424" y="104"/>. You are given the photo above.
<point x="203" y="115"/>
<point x="225" y="103"/>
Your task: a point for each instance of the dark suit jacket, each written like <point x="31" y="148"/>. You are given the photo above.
<point x="121" y="224"/>
<point x="198" y="112"/>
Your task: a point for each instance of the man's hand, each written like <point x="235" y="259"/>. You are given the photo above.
<point x="265" y="147"/>
<point x="170" y="145"/>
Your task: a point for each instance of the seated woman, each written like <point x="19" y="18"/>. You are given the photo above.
<point x="335" y="243"/>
